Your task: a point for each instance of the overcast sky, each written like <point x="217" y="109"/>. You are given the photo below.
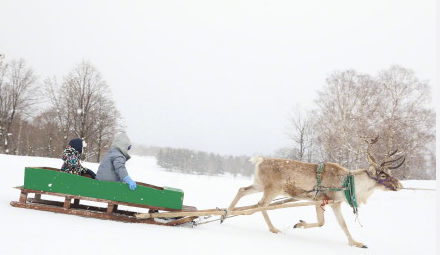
<point x="218" y="76"/>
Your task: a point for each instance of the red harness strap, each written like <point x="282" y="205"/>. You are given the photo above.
<point x="324" y="202"/>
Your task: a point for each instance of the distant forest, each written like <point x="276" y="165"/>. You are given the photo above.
<point x="197" y="162"/>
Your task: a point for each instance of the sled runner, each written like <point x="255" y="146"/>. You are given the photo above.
<point x="51" y="182"/>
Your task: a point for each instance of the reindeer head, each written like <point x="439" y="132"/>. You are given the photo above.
<point x="381" y="173"/>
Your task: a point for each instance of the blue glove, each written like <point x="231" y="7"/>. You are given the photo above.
<point x="130" y="182"/>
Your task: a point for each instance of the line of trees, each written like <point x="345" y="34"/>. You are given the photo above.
<point x="353" y="107"/>
<point x="197" y="162"/>
<point x="39" y="118"/>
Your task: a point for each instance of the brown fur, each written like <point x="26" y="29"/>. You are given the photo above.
<point x="281" y="177"/>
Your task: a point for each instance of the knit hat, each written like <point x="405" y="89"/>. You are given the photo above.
<point x="77" y="144"/>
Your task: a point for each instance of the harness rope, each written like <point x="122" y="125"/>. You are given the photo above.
<point x="347" y="186"/>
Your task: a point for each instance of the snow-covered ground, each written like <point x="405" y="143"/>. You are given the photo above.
<point x="401" y="222"/>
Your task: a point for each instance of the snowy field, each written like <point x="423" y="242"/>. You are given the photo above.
<point x="400" y="223"/>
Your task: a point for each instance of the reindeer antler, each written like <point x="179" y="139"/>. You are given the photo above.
<point x="387" y="163"/>
<point x="374" y="140"/>
<point x="369" y="157"/>
<point x="390" y="162"/>
<point x="388" y="156"/>
<point x="401" y="163"/>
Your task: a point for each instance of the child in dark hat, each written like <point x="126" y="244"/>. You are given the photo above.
<point x="71" y="157"/>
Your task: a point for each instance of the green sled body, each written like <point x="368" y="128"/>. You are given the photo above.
<point x="52" y="180"/>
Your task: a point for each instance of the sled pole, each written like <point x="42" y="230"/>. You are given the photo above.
<point x="276" y="202"/>
<point x="221" y="212"/>
<point x="419" y="189"/>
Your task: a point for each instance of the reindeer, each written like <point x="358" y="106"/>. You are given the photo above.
<point x="281" y="177"/>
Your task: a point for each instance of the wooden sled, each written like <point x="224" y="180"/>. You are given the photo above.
<point x="52" y="182"/>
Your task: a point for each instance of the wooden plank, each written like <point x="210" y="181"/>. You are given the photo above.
<point x="90" y="208"/>
<point x="274" y="207"/>
<point x="102" y="200"/>
<point x="79" y="206"/>
<point x="284" y="201"/>
<point x="85" y="213"/>
<point x="23" y="196"/>
<point x="67" y="201"/>
<point x="100" y="215"/>
<point x="221" y="212"/>
<point x="110" y="208"/>
<point x="111" y="212"/>
<point x="187" y="208"/>
<point x="181" y="221"/>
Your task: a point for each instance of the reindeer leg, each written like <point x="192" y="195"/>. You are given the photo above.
<point x="265" y="201"/>
<point x="337" y="211"/>
<point x="319" y="216"/>
<point x="241" y="193"/>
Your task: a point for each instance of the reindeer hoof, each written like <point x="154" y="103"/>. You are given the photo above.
<point x="300" y="224"/>
<point x="275" y="231"/>
<point x="223" y="217"/>
<point x="359" y="245"/>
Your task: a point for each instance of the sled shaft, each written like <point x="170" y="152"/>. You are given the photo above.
<point x="253" y="210"/>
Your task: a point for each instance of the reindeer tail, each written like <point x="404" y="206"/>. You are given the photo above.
<point x="256" y="160"/>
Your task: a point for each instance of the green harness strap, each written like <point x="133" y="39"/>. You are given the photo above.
<point x="319" y="173"/>
<point x="350" y="192"/>
<point x="348" y="187"/>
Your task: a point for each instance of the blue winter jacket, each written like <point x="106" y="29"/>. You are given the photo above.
<point x="112" y="167"/>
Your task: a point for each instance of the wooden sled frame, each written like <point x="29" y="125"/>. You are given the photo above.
<point x="169" y="217"/>
<point x="111" y="212"/>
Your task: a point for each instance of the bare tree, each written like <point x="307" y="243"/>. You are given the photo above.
<point x="393" y="105"/>
<point x="58" y="101"/>
<point x="407" y="120"/>
<point x="17" y="96"/>
<point x="83" y="108"/>
<point x="286" y="152"/>
<point x="83" y="87"/>
<point x="345" y="111"/>
<point x="300" y="130"/>
<point x="107" y="117"/>
<point x="49" y="140"/>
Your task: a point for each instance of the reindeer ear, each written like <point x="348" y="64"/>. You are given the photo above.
<point x="371" y="170"/>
